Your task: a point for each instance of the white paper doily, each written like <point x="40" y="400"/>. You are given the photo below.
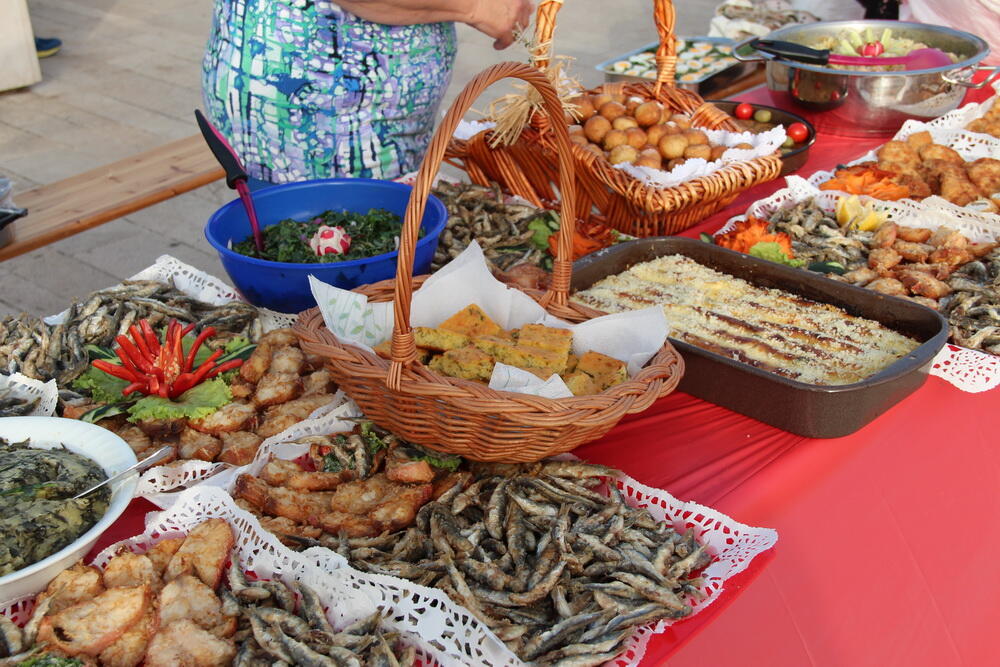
<point x="971" y="371"/>
<point x="22" y="386"/>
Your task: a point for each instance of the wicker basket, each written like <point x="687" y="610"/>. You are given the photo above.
<point x="529" y="168"/>
<point x="463" y="417"/>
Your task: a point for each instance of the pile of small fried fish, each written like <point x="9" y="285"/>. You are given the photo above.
<point x="560" y="572"/>
<point x="30" y="346"/>
<point x="271" y="630"/>
<point x="476" y="212"/>
<point x="973" y="307"/>
<point x="15" y="406"/>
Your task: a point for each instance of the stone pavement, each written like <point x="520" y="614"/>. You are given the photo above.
<point x="127" y="80"/>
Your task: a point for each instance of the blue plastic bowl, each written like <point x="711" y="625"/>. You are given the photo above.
<point x="283" y="286"/>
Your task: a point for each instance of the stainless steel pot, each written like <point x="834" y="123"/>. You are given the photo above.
<point x="871" y="103"/>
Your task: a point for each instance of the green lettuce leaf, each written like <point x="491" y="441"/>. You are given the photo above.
<point x="448" y="462"/>
<point x="102" y="387"/>
<point x="773" y="252"/>
<point x="195" y="403"/>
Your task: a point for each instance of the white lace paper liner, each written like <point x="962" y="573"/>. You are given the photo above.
<point x="763" y="144"/>
<point x="469" y="128"/>
<point x="430" y="614"/>
<point x="969" y="370"/>
<point x="22" y="386"/>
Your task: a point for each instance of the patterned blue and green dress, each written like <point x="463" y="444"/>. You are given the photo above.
<point x="304" y="89"/>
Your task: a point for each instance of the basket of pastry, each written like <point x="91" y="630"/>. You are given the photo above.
<point x="652" y="158"/>
<point x="431" y="389"/>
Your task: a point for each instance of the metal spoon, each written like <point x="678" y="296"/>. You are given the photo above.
<point x="155" y="457"/>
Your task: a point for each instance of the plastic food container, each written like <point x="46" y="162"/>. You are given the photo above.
<point x="110" y="452"/>
<point x="810" y="410"/>
<point x="284" y="286"/>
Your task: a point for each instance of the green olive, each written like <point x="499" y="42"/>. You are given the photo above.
<point x="762" y="115"/>
<point x="788" y="142"/>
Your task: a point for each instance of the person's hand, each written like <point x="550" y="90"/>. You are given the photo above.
<point x="501" y="18"/>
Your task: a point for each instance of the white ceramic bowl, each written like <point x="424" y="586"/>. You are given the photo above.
<point x="109" y="451"/>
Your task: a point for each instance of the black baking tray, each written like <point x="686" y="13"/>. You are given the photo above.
<point x="809" y="410"/>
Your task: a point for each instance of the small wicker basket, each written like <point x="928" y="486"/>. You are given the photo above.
<point x="528" y="167"/>
<point x="460" y="416"/>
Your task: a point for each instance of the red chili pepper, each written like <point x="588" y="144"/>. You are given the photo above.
<point x="222" y="368"/>
<point x="114" y="369"/>
<point x="206" y="333"/>
<point x="135" y="386"/>
<point x="151" y="340"/>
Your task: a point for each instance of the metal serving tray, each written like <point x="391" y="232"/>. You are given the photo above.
<point x="809" y="410"/>
<point x="703" y="87"/>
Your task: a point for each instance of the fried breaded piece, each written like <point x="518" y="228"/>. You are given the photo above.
<point x="981" y="249"/>
<point x="235" y="416"/>
<point x="885" y="235"/>
<point x="889" y="286"/>
<point x="401" y="468"/>
<point x="129" y="649"/>
<point x="184" y="643"/>
<point x="912" y="252"/>
<point x="280" y="337"/>
<point x="883" y="259"/>
<point x="951" y="256"/>
<point x="923" y="284"/>
<point x="899" y="152"/>
<point x="162" y="552"/>
<point x="241" y="389"/>
<point x="200" y="446"/>
<point x="161" y="428"/>
<point x="239" y="448"/>
<point x="279" y="472"/>
<point x="365" y="508"/>
<point x="318" y="382"/>
<point x="471" y="321"/>
<point x="913" y="234"/>
<point x="257" y="363"/>
<point x="187" y="597"/>
<point x="959" y="190"/>
<point x="275" y="388"/>
<point x="287" y="359"/>
<point x="131" y="569"/>
<point x="985" y="174"/>
<point x="298" y="506"/>
<point x="946" y="237"/>
<point x="204" y="552"/>
<point x="135" y="437"/>
<point x="89" y="627"/>
<point x="938" y="152"/>
<point x="918" y="140"/>
<point x="279" y="417"/>
<point x="72" y="586"/>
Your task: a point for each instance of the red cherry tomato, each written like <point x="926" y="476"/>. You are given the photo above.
<point x="743" y="110"/>
<point x="798" y="132"/>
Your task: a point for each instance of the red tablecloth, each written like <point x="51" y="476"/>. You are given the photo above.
<point x="886" y="537"/>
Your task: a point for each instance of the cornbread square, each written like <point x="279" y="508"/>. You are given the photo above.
<point x="571" y="361"/>
<point x="468" y="362"/>
<point x="605" y="370"/>
<point x="492" y="344"/>
<point x="528" y="358"/>
<point x="547" y="338"/>
<point x="384" y="349"/>
<point x="471" y="321"/>
<point x="581" y="384"/>
<point x="439" y="339"/>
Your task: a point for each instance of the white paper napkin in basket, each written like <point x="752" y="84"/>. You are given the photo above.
<point x="632" y="337"/>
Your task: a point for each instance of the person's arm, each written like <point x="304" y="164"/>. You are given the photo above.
<point x="496" y="18"/>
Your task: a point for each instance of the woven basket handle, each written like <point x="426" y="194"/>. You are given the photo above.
<point x="663" y="16"/>
<point x="404" y="349"/>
